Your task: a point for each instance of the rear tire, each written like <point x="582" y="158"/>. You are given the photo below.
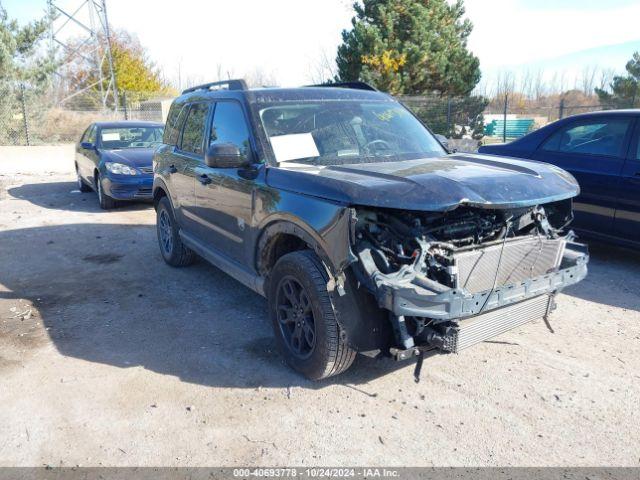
<point x="299" y="302"/>
<point x="173" y="251"/>
<point x="105" y="201"/>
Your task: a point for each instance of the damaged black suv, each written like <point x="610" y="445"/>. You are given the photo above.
<point x="362" y="231"/>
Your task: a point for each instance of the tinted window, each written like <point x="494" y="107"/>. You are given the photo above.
<point x="193" y="132"/>
<point x="170" y="125"/>
<point x="85" y="135"/>
<point x="230" y="126"/>
<point x="593" y="137"/>
<point x="90" y="135"/>
<point x="326" y="132"/>
<point x="174" y="124"/>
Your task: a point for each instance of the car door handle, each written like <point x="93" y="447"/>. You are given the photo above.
<point x="173" y="169"/>
<point x="204" y="179"/>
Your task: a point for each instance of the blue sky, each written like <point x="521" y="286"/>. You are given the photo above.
<point x="285" y="38"/>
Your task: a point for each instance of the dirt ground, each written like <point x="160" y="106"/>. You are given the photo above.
<point x="110" y="357"/>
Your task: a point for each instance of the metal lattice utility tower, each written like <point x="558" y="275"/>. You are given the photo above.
<point x="90" y="28"/>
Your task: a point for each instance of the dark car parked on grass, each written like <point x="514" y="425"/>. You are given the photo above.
<point x="115" y="160"/>
<point x="602" y="151"/>
<point x="342" y="209"/>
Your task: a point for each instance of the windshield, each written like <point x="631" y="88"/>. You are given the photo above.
<point x="130" y="137"/>
<point x="344" y="132"/>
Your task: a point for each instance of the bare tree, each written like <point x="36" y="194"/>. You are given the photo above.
<point x="192" y="80"/>
<point x="557" y="85"/>
<point x="526" y="82"/>
<point x="178" y="81"/>
<point x="562" y="81"/>
<point x="605" y="78"/>
<point x="219" y="72"/>
<point x="538" y="85"/>
<point x="505" y="84"/>
<point x="259" y="78"/>
<point x="482" y="88"/>
<point x="588" y="79"/>
<point x="323" y="69"/>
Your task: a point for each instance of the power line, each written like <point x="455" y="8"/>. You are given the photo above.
<point x="92" y="46"/>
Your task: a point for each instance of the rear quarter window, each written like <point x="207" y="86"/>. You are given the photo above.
<point x="174" y="124"/>
<point x="193" y="131"/>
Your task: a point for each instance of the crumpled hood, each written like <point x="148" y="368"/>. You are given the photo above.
<point x="135" y="157"/>
<point x="431" y="184"/>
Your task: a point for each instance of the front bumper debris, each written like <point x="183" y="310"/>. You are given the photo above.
<point x="407" y="295"/>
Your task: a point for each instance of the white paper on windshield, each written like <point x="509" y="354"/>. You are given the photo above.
<point x="110" y="136"/>
<point x="294" y="147"/>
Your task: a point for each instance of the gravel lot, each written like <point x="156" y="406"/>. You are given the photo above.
<point x="110" y="357"/>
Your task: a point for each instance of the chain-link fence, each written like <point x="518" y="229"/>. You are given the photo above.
<point x="509" y="117"/>
<point x="29" y="117"/>
<point x="453" y="117"/>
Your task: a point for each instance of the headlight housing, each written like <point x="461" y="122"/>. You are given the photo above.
<point x="120" y="168"/>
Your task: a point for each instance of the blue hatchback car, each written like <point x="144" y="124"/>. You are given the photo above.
<point x="115" y="160"/>
<point x="602" y="151"/>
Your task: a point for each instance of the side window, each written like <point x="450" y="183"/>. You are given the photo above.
<point x="229" y="126"/>
<point x="174" y="122"/>
<point x="593" y="137"/>
<point x="91" y="136"/>
<point x="193" y="131"/>
<point x="85" y="135"/>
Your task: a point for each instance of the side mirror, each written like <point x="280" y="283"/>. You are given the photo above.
<point x="87" y="146"/>
<point x="225" y="155"/>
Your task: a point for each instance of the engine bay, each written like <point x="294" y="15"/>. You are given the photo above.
<point x="431" y="270"/>
<point x="395" y="239"/>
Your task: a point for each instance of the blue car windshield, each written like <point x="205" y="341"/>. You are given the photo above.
<point x="130" y="137"/>
<point x="345" y="132"/>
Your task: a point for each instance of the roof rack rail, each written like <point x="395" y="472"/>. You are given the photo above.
<point x="235" y="84"/>
<point x="355" y="85"/>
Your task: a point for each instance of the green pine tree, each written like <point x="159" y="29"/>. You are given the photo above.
<point x="25" y="71"/>
<point x="20" y="58"/>
<point x="625" y="90"/>
<point x="409" y="47"/>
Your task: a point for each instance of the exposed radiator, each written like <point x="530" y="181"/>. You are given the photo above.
<point x="482" y="327"/>
<point x="522" y="258"/>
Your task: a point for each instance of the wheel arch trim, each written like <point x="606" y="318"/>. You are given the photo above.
<point x="286" y="224"/>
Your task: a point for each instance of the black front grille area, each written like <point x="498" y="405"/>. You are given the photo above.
<point x="146" y="169"/>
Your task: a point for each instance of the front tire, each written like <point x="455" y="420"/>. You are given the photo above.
<point x="173" y="251"/>
<point x="303" y="318"/>
<point x="105" y="201"/>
